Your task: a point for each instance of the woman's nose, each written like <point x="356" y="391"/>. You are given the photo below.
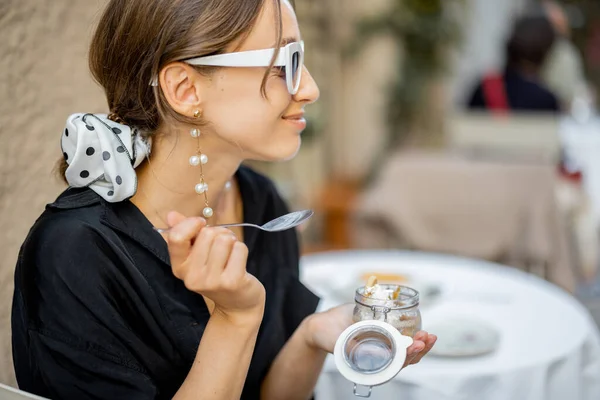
<point x="308" y="92"/>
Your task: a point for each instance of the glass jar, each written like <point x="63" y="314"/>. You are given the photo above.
<point x="372" y="350"/>
<point x="402" y="313"/>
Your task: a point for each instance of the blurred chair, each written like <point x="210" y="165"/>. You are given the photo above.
<point x="10" y="393"/>
<point x="531" y="138"/>
<point x="480" y="209"/>
<point x="334" y="206"/>
<point x="522" y="137"/>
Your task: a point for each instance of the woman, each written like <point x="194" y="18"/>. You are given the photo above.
<point x="104" y="305"/>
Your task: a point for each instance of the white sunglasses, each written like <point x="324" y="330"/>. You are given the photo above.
<point x="290" y="56"/>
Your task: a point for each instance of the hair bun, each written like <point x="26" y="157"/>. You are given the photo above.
<point x="114" y="117"/>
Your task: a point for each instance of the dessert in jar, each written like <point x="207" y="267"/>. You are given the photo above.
<point x="395" y="304"/>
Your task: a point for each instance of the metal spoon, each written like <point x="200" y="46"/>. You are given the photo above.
<point x="278" y="224"/>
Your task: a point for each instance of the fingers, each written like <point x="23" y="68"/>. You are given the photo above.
<point x="418" y="344"/>
<point x="180" y="237"/>
<point x="202" y="249"/>
<point x="212" y="262"/>
<point x="429" y="343"/>
<point x="220" y="251"/>
<point x="235" y="269"/>
<point x="422" y="344"/>
<point x="174" y="218"/>
<point x="413" y="351"/>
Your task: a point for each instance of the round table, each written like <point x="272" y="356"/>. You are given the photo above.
<point x="549" y="345"/>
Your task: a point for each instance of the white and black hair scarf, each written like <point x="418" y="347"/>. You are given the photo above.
<point x="102" y="155"/>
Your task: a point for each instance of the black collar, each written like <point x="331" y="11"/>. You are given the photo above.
<point x="75" y="198"/>
<point x="126" y="218"/>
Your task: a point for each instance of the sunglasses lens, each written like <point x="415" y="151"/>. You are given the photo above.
<point x="295" y="68"/>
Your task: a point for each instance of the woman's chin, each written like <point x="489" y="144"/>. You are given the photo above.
<point x="282" y="153"/>
<point x="293" y="151"/>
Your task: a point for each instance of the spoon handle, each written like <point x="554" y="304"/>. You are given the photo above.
<point x="159" y="230"/>
<point x="232" y="225"/>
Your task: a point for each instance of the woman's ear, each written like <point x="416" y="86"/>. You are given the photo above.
<point x="181" y="84"/>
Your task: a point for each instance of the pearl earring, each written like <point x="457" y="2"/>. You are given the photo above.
<point x="198" y="160"/>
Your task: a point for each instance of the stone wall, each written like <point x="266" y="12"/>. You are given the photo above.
<point x="44" y="78"/>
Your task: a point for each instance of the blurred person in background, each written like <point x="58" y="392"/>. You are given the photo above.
<point x="563" y="70"/>
<point x="105" y="306"/>
<point x="520" y="86"/>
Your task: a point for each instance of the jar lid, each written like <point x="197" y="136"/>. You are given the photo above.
<point x="370" y="353"/>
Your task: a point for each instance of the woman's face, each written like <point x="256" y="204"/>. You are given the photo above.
<point x="267" y="129"/>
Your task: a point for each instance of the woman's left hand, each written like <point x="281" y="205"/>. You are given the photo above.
<point x="323" y="330"/>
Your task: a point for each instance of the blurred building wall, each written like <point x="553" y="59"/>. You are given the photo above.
<point x="358" y="121"/>
<point x="44" y="79"/>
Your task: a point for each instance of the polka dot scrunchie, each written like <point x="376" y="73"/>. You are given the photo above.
<point x="102" y="155"/>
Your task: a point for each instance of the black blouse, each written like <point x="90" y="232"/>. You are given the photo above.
<point x="97" y="312"/>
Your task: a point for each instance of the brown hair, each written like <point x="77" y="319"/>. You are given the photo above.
<point x="135" y="39"/>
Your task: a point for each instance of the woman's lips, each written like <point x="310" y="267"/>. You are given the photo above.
<point x="296" y="119"/>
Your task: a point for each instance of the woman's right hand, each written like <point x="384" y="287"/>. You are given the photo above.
<point x="212" y="262"/>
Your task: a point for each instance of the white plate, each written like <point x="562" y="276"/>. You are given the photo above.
<point x="464" y="337"/>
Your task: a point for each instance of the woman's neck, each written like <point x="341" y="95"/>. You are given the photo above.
<point x="167" y="180"/>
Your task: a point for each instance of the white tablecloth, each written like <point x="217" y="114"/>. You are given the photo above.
<point x="549" y="349"/>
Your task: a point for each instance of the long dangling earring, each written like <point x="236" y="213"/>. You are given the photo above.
<point x="198" y="160"/>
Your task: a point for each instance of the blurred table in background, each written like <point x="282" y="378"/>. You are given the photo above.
<point x="549" y="347"/>
<point x="452" y="204"/>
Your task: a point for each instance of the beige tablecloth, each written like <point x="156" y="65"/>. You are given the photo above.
<point x="478" y="209"/>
